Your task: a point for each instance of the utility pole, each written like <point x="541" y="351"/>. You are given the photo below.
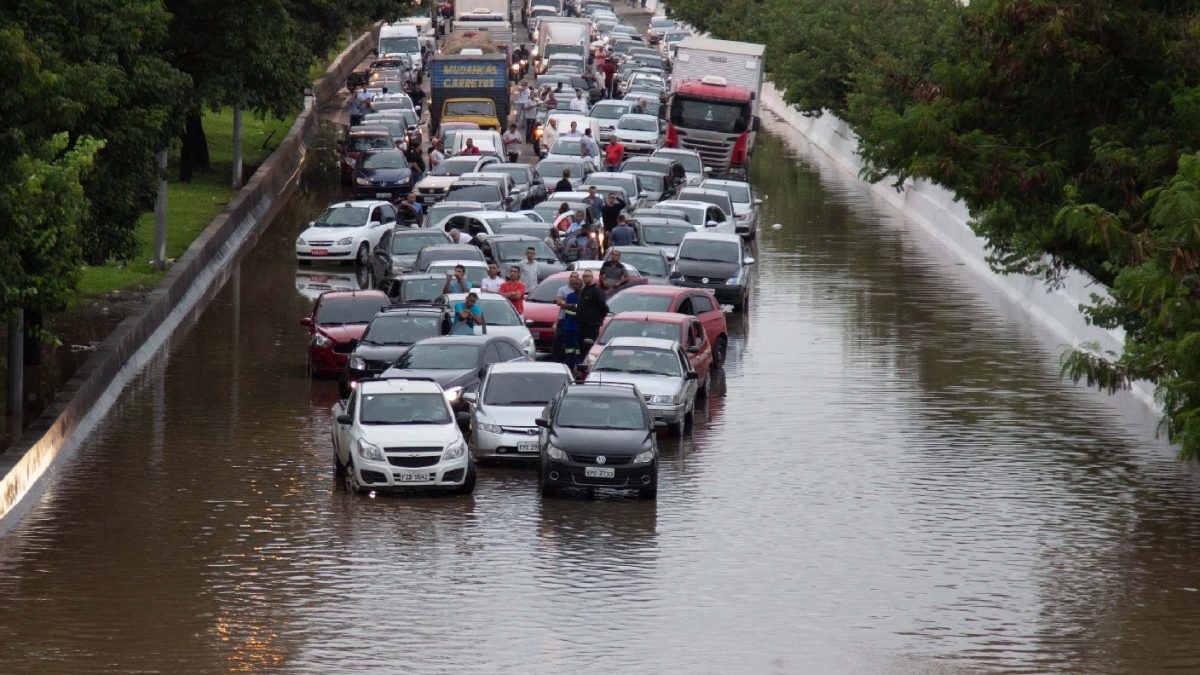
<point x="160" y="213"/>
<point x="237" y="148"/>
<point x="16" y="364"/>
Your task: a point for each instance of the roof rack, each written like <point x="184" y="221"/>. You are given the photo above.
<point x="381" y="378"/>
<point x="630" y="385"/>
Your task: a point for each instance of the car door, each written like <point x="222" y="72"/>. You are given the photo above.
<point x="699" y="348"/>
<point x="342" y="432"/>
<point x="375" y="226"/>
<point x="706" y="309"/>
<point x="381" y="258"/>
<point x="690" y="387"/>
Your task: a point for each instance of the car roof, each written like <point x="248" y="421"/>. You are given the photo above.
<point x="508" y="165"/>
<point x="655" y="343"/>
<point x="422" y="276"/>
<point x="639" y="116"/>
<point x="346" y="295"/>
<point x="360" y="203"/>
<point x="455" y="263"/>
<point x="655" y="289"/>
<point x="515" y="237"/>
<point x="403" y="231"/>
<point x="368" y="132"/>
<point x="398" y="385"/>
<point x="448" y="247"/>
<point x="601" y="389"/>
<point x="633" y="248"/>
<point x="470" y="205"/>
<point x="673" y="152"/>
<point x="551" y="367"/>
<point x="464" y="339"/>
<point x="723" y="181"/>
<point x="713" y="236"/>
<point x="654" y="317"/>
<point x="409" y="310"/>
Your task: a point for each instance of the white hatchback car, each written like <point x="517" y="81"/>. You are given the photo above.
<point x="400" y="433"/>
<point x="640" y="134"/>
<point x="504" y="411"/>
<point x="499" y="318"/>
<point x="345" y="231"/>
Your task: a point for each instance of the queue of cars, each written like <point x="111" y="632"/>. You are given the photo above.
<point x="420" y="403"/>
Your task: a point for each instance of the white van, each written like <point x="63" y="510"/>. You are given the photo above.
<point x="402" y="38"/>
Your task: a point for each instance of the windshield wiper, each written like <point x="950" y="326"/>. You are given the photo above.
<point x="706" y="260"/>
<point x="520" y="403"/>
<point x="331" y="323"/>
<point x="643" y="371"/>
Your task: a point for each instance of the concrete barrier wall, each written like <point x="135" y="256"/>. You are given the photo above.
<point x="940" y="214"/>
<point x="196" y="275"/>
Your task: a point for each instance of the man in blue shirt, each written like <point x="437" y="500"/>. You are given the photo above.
<point x="467" y="315"/>
<point x="457" y="282"/>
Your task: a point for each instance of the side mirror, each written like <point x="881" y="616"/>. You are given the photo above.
<point x="542" y="422"/>
<point x="747" y="260"/>
<point x="758" y="202"/>
<point x="691" y="375"/>
<point x="470" y="396"/>
<point x="643" y="194"/>
<point x="707" y="170"/>
<point x="344" y="419"/>
<point x="711" y="223"/>
<point x="754" y="124"/>
<point x="374" y="223"/>
<point x="306" y="322"/>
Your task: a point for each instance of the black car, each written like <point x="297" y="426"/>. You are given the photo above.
<point x="388" y="336"/>
<point x="657" y="186"/>
<point x="457" y="362"/>
<point x="716" y="261"/>
<point x="397" y="250"/>
<point x="530" y="189"/>
<point x="507" y="250"/>
<point x="435" y="252"/>
<point x="383" y="174"/>
<point x="598" y="435"/>
<point x="414" y="289"/>
<point x="670" y="168"/>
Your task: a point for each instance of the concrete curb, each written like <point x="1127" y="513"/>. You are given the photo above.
<point x="86" y="398"/>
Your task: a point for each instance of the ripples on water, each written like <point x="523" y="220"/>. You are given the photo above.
<point x="895" y="480"/>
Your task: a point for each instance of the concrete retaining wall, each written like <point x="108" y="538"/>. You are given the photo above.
<point x="942" y="216"/>
<point x="192" y="280"/>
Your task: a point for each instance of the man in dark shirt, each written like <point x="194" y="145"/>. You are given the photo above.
<point x="611" y="209"/>
<point x="564" y="183"/>
<point x="591" y="309"/>
<point x="623" y="234"/>
<point x="612" y="272"/>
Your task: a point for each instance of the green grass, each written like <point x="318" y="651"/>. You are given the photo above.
<point x="190" y="206"/>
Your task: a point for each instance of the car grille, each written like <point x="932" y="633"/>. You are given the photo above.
<point x="528" y="431"/>
<point x="411" y="450"/>
<point x="320" y="243"/>
<point x="715" y="153"/>
<point x="432" y="191"/>
<point x="415" y="462"/>
<point x="541" y="324"/>
<point x="343" y="348"/>
<point x="608" y="459"/>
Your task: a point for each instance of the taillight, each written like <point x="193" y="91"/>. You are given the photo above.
<point x="672" y="136"/>
<point x="739" y="149"/>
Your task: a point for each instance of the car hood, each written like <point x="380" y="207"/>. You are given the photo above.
<point x="334" y="233"/>
<point x="381" y="353"/>
<point x="541" y="312"/>
<point x="410" y="435"/>
<point x="632" y="135"/>
<point x="342" y="334"/>
<point x="517" y="333"/>
<point x="602" y="441"/>
<point x="436" y="181"/>
<point x="649" y="385"/>
<point x="446" y="378"/>
<point x="743" y="210"/>
<point x="404" y="260"/>
<point x="666" y="248"/>
<point x="386" y="175"/>
<point x="511" y="416"/>
<point x="713" y="270"/>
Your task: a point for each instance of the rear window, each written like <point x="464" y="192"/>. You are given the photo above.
<point x="474" y="193"/>
<point x="421" y="290"/>
<point x="339" y="311"/>
<point x="638" y="302"/>
<point x="411" y="244"/>
<point x="640" y="329"/>
<point x="547" y="291"/>
<point x="523" y="389"/>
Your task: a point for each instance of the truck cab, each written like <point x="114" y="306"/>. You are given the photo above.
<point x="715" y="119"/>
<point x="481" y="111"/>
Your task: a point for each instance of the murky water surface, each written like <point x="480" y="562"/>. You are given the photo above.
<point x="893" y="479"/>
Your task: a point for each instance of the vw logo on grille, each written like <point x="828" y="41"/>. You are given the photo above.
<point x="704" y="280"/>
<point x="601" y="459"/>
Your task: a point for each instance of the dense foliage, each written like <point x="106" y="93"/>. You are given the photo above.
<point x="92" y="88"/>
<point x="1070" y="129"/>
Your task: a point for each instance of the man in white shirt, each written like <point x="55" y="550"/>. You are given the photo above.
<point x="529" y="269"/>
<point x="491" y="283"/>
<point x="512" y="143"/>
<point x="550" y="133"/>
<point x="579" y="103"/>
<point x="459" y="237"/>
<point x="435" y="153"/>
<point x="573" y="132"/>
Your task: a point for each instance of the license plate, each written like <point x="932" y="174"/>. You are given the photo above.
<point x="382" y="195"/>
<point x="599" y="472"/>
<point x="412" y="477"/>
<point x="319" y="251"/>
<point x="527" y="446"/>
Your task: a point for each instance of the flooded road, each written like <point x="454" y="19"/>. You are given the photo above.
<point x="893" y="479"/>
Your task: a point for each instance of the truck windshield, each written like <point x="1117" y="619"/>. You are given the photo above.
<point x="399" y="45"/>
<point x="728" y="118"/>
<point x="471" y="108"/>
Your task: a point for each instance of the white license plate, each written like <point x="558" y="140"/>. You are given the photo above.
<point x="382" y="195"/>
<point x="412" y="477"/>
<point x="599" y="472"/>
<point x="527" y="446"/>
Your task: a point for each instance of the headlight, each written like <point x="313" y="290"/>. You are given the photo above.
<point x="733" y="281"/>
<point x="556" y="453"/>
<point x="662" y="399"/>
<point x="488" y="428"/>
<point x="527" y="343"/>
<point x="321" y="341"/>
<point x="452" y="393"/>
<point x="644" y="458"/>
<point x="300" y="242"/>
<point x="362" y="181"/>
<point x="357" y="363"/>
<point x="345" y="241"/>
<point x="370" y="451"/>
<point x="455" y="450"/>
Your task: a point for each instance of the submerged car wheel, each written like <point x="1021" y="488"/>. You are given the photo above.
<point x="704" y="385"/>
<point x="468" y="485"/>
<point x="547" y="489"/>
<point x="648" y="492"/>
<point x="719" y="349"/>
<point x="351" y="479"/>
<point x="339" y="469"/>
<point x="364" y="255"/>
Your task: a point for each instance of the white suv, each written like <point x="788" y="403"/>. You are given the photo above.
<point x="400" y="433"/>
<point x="346" y="231"/>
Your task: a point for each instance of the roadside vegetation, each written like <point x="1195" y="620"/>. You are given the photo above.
<point x="1070" y="130"/>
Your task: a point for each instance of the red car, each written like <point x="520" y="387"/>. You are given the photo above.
<point x="541" y="313"/>
<point x="357" y="144"/>
<point x="338" y="320"/>
<point x="684" y="329"/>
<point x="697" y="302"/>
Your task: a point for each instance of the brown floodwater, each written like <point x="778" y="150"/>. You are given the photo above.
<point x="891" y="477"/>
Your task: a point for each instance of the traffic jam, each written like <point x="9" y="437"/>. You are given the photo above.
<point x="547" y="236"/>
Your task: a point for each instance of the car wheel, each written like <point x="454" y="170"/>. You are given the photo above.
<point x="678" y="429"/>
<point x="719" y="349"/>
<point x="704" y="385"/>
<point x="351" y="479"/>
<point x="468" y="485"/>
<point x="689" y="421"/>
<point x="364" y="255"/>
<point x="648" y="492"/>
<point x="547" y="489"/>
<point x="339" y="469"/>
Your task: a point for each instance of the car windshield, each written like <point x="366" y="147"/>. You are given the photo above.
<point x="401" y="330"/>
<point x="691" y="163"/>
<point x="399" y="45"/>
<point x="729" y="118"/>
<point x="470" y="108"/>
<point x="364" y="143"/>
<point x="649" y="264"/>
<point x="665" y="235"/>
<point x="441" y="211"/>
<point x="638" y="302"/>
<point x="421" y="290"/>
<point x="514" y="251"/>
<point x="716" y="200"/>
<point x="609" y="111"/>
<point x="403" y="409"/>
<point x="555" y="168"/>
<point x="343" y="216"/>
<point x="600" y="412"/>
<point x="650" y="103"/>
<point x="412" y="244"/>
<point x="661" y="22"/>
<point x="455" y="167"/>
<point x="523" y="389"/>
<point x="737" y="193"/>
<point x="547" y="291"/>
<point x="676" y="37"/>
<point x="639" y="361"/>
<point x="341" y="311"/>
<point x="640" y="329"/>
<point x="385" y="160"/>
<point x="709" y="251"/>
<point x="472" y="273"/>
<point x="436" y="356"/>
<point x="473" y="193"/>
<point x="566" y="146"/>
<point x="520" y="174"/>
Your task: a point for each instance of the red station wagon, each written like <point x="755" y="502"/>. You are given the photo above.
<point x="697" y="302"/>
<point x="338" y="320"/>
<point x="684" y="329"/>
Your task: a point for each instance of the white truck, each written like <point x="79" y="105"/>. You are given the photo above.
<point x="562" y="35"/>
<point x="402" y="39"/>
<point x="716" y="87"/>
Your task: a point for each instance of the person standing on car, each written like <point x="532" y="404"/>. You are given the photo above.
<point x="467" y="315"/>
<point x="491" y="283"/>
<point x="614" y="154"/>
<point x="514" y="289"/>
<point x="512" y="143"/>
<point x="611" y="209"/>
<point x="591" y="308"/>
<point x="588" y="147"/>
<point x="593" y="201"/>
<point x="529" y="269"/>
<point x="610" y="71"/>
